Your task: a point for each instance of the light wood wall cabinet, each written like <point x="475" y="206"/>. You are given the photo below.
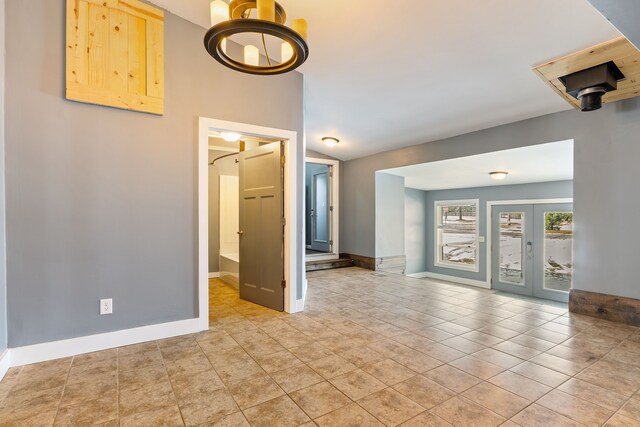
<point x="115" y="54"/>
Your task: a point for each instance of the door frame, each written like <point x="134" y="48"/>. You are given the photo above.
<point x="292" y="208"/>
<point x="488" y="232"/>
<point x="335" y="217"/>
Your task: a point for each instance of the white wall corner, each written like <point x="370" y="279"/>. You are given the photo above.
<point x="304" y="288"/>
<point x="5" y="363"/>
<point x="71" y="347"/>
<point x="4" y="320"/>
<point x="301" y="302"/>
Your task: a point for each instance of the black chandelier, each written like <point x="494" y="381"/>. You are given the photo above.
<point x="235" y="18"/>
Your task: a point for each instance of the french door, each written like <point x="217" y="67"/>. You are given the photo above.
<point x="532" y="249"/>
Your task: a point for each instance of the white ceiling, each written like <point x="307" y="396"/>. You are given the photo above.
<point x="383" y="75"/>
<point x="536" y="163"/>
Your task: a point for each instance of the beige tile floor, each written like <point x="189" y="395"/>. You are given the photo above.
<point x="369" y="350"/>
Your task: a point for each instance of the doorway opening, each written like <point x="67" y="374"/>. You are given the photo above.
<point x="463" y="220"/>
<point x="257" y="241"/>
<point x="225" y="231"/>
<point x="322" y="209"/>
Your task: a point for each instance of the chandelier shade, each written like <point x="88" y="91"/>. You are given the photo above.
<point x="294" y="50"/>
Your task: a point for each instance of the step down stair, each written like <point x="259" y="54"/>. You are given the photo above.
<point x="329" y="264"/>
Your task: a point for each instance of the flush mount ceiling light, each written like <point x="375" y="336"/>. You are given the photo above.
<point x="230" y="136"/>
<point x="330" y="141"/>
<point x="234" y="18"/>
<point x="498" y="175"/>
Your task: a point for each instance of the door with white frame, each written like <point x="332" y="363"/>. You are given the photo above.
<point x="290" y="249"/>
<point x="532" y="249"/>
<point x="321" y="206"/>
<point x="261" y="226"/>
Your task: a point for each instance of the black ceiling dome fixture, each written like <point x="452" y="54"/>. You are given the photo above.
<point x="590" y="85"/>
<point x="235" y="18"/>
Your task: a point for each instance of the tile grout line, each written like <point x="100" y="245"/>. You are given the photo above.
<point x="286" y="393"/>
<point x="570" y="376"/>
<point x="523" y="333"/>
<point x="166" y="371"/>
<point x="358" y="312"/>
<point x="255" y="361"/>
<point x="627" y="400"/>
<point x="118" y="385"/>
<point x="64" y="387"/>
<point x="224" y="386"/>
<point x="14" y="381"/>
<point x="387" y="387"/>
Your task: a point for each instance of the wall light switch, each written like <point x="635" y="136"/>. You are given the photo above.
<point x="106" y="306"/>
<point x="481" y="239"/>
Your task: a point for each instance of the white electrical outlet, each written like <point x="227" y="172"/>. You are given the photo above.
<point x="106" y="306"/>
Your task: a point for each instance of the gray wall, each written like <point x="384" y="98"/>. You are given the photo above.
<point x="546" y="190"/>
<point x="226" y="166"/>
<point x="624" y="14"/>
<point x="606" y="153"/>
<point x="415" y="230"/>
<point x="389" y="215"/>
<point x="3" y="275"/>
<point x="102" y="203"/>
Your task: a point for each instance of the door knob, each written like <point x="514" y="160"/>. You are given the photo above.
<point x="529" y="246"/>
<point x="240" y="233"/>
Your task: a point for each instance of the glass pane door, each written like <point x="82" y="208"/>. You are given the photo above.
<point x="554" y="254"/>
<point x="558" y="250"/>
<point x="511" y="248"/>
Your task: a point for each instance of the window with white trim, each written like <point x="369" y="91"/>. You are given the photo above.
<point x="457" y="234"/>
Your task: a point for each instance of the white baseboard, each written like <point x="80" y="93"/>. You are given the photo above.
<point x="420" y="275"/>
<point x="214" y="275"/>
<point x="5" y="363"/>
<point x="470" y="282"/>
<point x="74" y="346"/>
<point x="325" y="257"/>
